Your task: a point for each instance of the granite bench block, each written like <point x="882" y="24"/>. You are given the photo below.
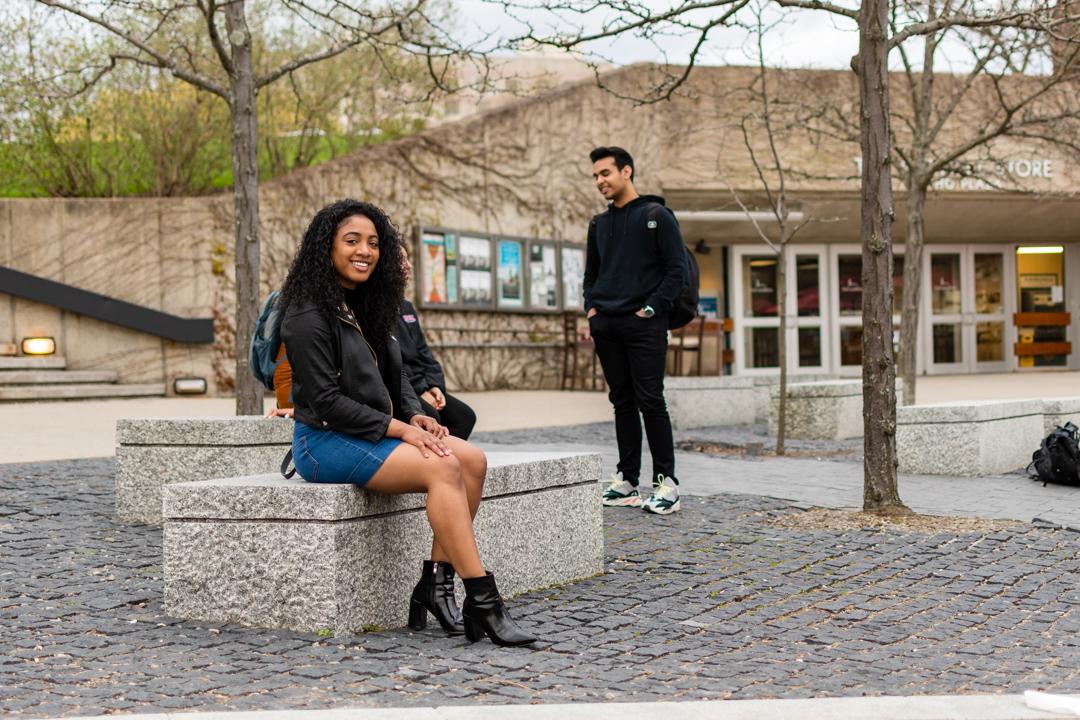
<point x="269" y="552"/>
<point x="1058" y="411"/>
<point x="227" y="431"/>
<point x="152" y="453"/>
<point x="695" y="402"/>
<point x="823" y="410"/>
<point x="764" y="386"/>
<point x="968" y="439"/>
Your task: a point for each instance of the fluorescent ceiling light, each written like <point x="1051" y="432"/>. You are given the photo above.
<point x="1043" y="250"/>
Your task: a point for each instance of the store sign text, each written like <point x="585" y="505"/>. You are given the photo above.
<point x="1017" y="169"/>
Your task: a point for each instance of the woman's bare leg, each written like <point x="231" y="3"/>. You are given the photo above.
<point x="473" y="470"/>
<point x="408" y="471"/>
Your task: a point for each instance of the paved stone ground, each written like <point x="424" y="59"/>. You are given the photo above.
<point x="710" y="603"/>
<point x="832" y="478"/>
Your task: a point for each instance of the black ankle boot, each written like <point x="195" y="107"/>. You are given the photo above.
<point x="435" y="594"/>
<point x="485" y="614"/>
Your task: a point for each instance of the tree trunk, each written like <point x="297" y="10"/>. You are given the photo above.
<point x="249" y="393"/>
<point x="879" y="375"/>
<point x="909" y="318"/>
<point x="781" y="310"/>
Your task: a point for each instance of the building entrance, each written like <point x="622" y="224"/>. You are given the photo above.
<point x="756" y="307"/>
<point x="967" y="291"/>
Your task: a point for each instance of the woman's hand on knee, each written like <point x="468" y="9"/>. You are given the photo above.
<point x="429" y="424"/>
<point x="425" y="441"/>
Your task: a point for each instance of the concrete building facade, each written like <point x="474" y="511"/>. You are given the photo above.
<point x="1002" y="258"/>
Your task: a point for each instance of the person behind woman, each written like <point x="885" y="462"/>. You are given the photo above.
<point x="358" y="420"/>
<point x="426" y="374"/>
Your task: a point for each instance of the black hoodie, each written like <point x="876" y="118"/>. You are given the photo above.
<point x="629" y="265"/>
<point x="421" y="367"/>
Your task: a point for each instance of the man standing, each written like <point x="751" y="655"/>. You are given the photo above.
<point x="635" y="268"/>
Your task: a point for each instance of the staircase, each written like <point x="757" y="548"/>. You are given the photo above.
<point x="47" y="378"/>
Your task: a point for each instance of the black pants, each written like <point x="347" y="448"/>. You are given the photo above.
<point x="458" y="417"/>
<point x="633" y="353"/>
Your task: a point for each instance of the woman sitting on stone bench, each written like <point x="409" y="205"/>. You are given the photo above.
<point x="358" y="420"/>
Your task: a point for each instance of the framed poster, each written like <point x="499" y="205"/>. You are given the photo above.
<point x="451" y="268"/>
<point x="474" y="269"/>
<point x="511" y="285"/>
<point x="573" y="275"/>
<point x="432" y="253"/>
<point x="543" y="276"/>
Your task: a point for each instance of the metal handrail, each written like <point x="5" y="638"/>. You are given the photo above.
<point x="105" y="308"/>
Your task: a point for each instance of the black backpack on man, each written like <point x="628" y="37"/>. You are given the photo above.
<point x="1058" y="458"/>
<point x="685" y="308"/>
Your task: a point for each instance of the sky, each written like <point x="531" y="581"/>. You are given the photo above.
<point x="803" y="39"/>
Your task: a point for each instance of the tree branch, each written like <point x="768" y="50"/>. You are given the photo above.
<point x="159" y="59"/>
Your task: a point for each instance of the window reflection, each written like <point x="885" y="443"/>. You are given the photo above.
<point x="762" y="347"/>
<point x="759" y="286"/>
<point x="810" y="347"/>
<point x="945" y="284"/>
<point x="808" y="285"/>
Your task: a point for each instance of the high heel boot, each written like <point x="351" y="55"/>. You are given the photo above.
<point x="485" y="614"/>
<point x="435" y="594"/>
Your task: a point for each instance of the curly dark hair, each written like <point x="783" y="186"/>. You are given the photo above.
<point x="312" y="278"/>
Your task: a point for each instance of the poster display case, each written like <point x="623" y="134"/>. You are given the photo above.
<point x="474" y="269"/>
<point x="477" y="271"/>
<point x="510" y="281"/>
<point x="572" y="267"/>
<point x="543" y="276"/>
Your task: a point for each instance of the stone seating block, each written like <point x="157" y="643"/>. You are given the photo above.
<point x="1058" y="411"/>
<point x="152" y="453"/>
<point x="264" y="551"/>
<point x="695" y="402"/>
<point x="765" y="385"/>
<point x="968" y="439"/>
<point x="823" y="410"/>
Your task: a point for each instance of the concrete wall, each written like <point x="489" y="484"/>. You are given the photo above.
<point x="152" y="252"/>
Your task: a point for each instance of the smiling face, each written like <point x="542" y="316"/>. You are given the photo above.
<point x="355" y="251"/>
<point x="612" y="182"/>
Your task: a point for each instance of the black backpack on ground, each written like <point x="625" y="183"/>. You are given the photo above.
<point x="685" y="308"/>
<point x="1058" y="458"/>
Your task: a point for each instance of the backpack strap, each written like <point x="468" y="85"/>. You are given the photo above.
<point x="285" y="465"/>
<point x="652" y="223"/>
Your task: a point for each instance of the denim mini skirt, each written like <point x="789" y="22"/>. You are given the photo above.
<point x="328" y="456"/>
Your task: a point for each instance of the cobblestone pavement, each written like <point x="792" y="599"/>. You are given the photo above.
<point x="710" y="603"/>
<point x="827" y="480"/>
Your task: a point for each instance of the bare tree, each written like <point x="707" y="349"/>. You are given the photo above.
<point x="941" y="131"/>
<point x="771" y="173"/>
<point x="879" y="33"/>
<point x="158" y="34"/>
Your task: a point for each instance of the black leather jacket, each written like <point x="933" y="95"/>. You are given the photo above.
<point x="336" y="380"/>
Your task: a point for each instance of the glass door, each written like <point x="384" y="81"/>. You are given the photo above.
<point x="943" y="280"/>
<point x="989" y="321"/>
<point x="807" y="346"/>
<point x="965" y="295"/>
<point x="847" y="292"/>
<point x="757" y="316"/>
